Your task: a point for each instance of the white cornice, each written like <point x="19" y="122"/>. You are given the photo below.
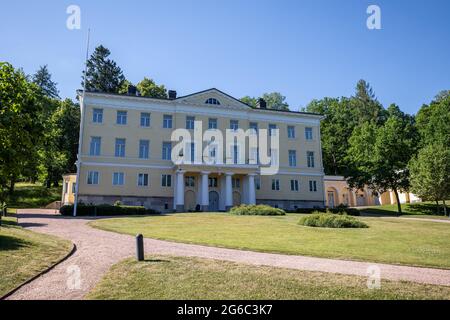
<point x="179" y="106"/>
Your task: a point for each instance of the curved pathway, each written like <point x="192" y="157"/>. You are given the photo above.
<point x="98" y="250"/>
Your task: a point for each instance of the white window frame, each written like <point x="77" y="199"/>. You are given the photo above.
<point x="122" y="115"/>
<point x="96" y="114"/>
<point x="167" y="121"/>
<point x="143" y="175"/>
<point x="119" y="174"/>
<point x="93" y="172"/>
<point x="147" y="119"/>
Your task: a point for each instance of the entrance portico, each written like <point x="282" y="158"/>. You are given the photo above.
<point x="216" y="185"/>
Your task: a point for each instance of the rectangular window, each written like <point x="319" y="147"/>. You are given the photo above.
<point x="74" y="187"/>
<point x="308" y="133"/>
<point x="276" y="184"/>
<point x="312" y="186"/>
<point x="95" y="146"/>
<point x="143" y="180"/>
<point x="272" y="128"/>
<point x="291" y="132"/>
<point x="253" y="127"/>
<point x="234" y="124"/>
<point x="66" y="187"/>
<point x="294" y="185"/>
<point x="97" y="116"/>
<point x="258" y="183"/>
<point x="167" y="121"/>
<point x="292" y="158"/>
<point x="121" y="117"/>
<point x="190" y="121"/>
<point x="166" y="180"/>
<point x="120" y="148"/>
<point x="93" y="177"/>
<point x="145" y="119"/>
<point x="167" y="151"/>
<point x="236" y="183"/>
<point x="212" y="182"/>
<point x="212" y="123"/>
<point x="118" y="179"/>
<point x="144" y="149"/>
<point x="189" y="181"/>
<point x="310" y="158"/>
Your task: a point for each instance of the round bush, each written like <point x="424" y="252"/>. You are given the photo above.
<point x="257" y="210"/>
<point x="329" y="220"/>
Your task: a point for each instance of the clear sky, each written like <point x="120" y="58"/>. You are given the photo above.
<point x="303" y="49"/>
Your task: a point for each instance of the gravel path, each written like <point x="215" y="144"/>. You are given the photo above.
<point x="98" y="250"/>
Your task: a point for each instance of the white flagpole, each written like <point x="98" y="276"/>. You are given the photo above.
<point x="80" y="139"/>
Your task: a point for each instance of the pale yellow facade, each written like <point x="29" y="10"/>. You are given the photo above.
<point x="337" y="192"/>
<point x="107" y="175"/>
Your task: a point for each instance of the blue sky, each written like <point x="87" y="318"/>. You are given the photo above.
<point x="303" y="49"/>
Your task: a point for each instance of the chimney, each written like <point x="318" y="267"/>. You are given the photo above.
<point x="132" y="90"/>
<point x="172" y="94"/>
<point x="262" y="104"/>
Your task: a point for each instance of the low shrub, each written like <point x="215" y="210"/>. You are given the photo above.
<point x="257" y="210"/>
<point x="106" y="210"/>
<point x="329" y="220"/>
<point x="338" y="210"/>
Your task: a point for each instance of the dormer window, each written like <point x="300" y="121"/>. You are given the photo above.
<point x="213" y="101"/>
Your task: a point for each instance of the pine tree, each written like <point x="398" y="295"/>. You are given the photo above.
<point x="43" y="79"/>
<point x="103" y="74"/>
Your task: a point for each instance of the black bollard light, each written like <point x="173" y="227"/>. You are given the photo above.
<point x="140" y="247"/>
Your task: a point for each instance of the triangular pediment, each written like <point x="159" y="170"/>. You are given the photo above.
<point x="213" y="97"/>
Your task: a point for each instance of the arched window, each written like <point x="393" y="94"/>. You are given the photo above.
<point x="213" y="101"/>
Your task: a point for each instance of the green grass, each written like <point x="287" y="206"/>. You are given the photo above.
<point x="24" y="253"/>
<point x="408" y="209"/>
<point x="27" y="195"/>
<point x="174" y="278"/>
<point x="390" y="240"/>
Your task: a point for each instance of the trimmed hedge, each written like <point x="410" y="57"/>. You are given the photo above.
<point x="257" y="210"/>
<point x="106" y="210"/>
<point x="329" y="220"/>
<point x="340" y="211"/>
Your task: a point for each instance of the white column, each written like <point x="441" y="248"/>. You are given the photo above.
<point x="204" y="192"/>
<point x="251" y="189"/>
<point x="180" y="191"/>
<point x="228" y="191"/>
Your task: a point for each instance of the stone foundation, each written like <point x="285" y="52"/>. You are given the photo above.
<point x="291" y="204"/>
<point x="161" y="204"/>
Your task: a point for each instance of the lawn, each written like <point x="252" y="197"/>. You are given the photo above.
<point x="428" y="209"/>
<point x="389" y="240"/>
<point x="24" y="253"/>
<point x="27" y="195"/>
<point x="175" y="278"/>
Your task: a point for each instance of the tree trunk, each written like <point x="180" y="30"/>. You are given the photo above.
<point x="437" y="207"/>
<point x="12" y="184"/>
<point x="445" y="208"/>
<point x="399" y="205"/>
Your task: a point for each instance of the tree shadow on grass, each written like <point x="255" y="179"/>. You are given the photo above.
<point x="425" y="208"/>
<point x="12" y="243"/>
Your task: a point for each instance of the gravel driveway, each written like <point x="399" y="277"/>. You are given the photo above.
<point x="98" y="250"/>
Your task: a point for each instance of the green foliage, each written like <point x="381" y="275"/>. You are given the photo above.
<point x="20" y="126"/>
<point x="336" y="129"/>
<point x="274" y="100"/>
<point x="328" y="220"/>
<point x="123" y="89"/>
<point x="106" y="210"/>
<point x="43" y="79"/>
<point x="378" y="155"/>
<point x="257" y="210"/>
<point x="103" y="74"/>
<point x="430" y="172"/>
<point x="148" y="88"/>
<point x="433" y="121"/>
